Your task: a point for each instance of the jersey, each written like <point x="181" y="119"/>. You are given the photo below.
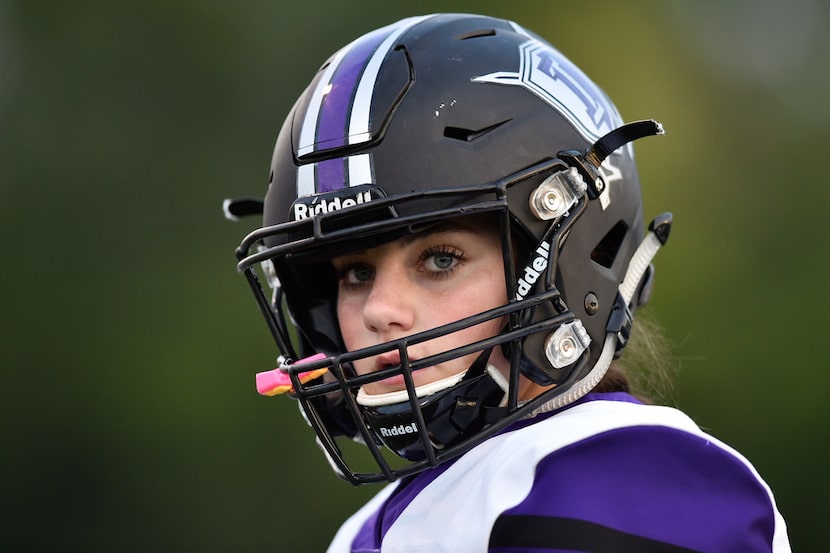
<point x="606" y="474"/>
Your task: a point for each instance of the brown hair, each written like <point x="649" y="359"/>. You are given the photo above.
<point x="646" y="367"/>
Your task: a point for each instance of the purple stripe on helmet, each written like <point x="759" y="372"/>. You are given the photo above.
<point x="331" y="174"/>
<point x="332" y="124"/>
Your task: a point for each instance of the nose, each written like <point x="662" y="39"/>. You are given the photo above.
<point x="389" y="307"/>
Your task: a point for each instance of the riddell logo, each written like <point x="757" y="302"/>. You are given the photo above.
<point x="400" y="430"/>
<point x="317" y="205"/>
<point x="533" y="271"/>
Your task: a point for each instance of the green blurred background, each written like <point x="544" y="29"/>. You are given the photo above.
<point x="129" y="343"/>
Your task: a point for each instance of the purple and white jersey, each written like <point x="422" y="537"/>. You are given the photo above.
<point x="607" y="474"/>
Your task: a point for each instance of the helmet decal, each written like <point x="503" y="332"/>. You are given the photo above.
<point x="331" y="174"/>
<point x="309" y="206"/>
<point x="612" y="175"/>
<point x="545" y="72"/>
<point x="338" y="110"/>
<point x="533" y="270"/>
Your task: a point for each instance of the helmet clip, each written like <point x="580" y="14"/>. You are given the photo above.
<point x="557" y="194"/>
<point x="619" y="323"/>
<point x="564" y="346"/>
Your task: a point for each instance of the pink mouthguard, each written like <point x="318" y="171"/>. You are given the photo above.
<point x="277" y="381"/>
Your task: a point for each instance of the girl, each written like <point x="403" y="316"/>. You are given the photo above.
<point x="454" y="244"/>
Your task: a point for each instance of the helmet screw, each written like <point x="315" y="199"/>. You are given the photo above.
<point x="591" y="303"/>
<point x="552" y="200"/>
<point x="567" y="347"/>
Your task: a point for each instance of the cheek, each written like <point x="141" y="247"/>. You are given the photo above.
<point x="486" y="291"/>
<point x="348" y="318"/>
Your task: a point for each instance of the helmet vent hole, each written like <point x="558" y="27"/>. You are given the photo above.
<point x="477" y="34"/>
<point x="468" y="135"/>
<point x="606" y="251"/>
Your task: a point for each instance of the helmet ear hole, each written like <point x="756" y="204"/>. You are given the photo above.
<point x="606" y="251"/>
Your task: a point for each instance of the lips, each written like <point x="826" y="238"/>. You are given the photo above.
<point x="385" y="361"/>
<point x="388" y="359"/>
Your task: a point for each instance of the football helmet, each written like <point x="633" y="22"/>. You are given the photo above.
<point x="427" y="119"/>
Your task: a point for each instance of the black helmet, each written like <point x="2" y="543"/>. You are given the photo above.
<point x="432" y="118"/>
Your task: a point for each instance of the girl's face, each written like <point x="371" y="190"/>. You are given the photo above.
<point x="417" y="283"/>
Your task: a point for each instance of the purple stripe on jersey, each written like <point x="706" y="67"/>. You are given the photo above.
<point x="331" y="174"/>
<point x="655" y="482"/>
<point x="371" y="534"/>
<point x="332" y="124"/>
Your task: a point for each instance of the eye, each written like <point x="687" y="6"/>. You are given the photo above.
<point x="355" y="274"/>
<point x="441" y="260"/>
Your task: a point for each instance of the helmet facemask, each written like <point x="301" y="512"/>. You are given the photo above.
<point x="426" y="428"/>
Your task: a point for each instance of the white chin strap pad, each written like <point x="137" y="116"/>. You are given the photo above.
<point x="390" y="398"/>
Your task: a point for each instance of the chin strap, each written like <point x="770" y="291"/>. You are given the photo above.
<point x="658" y="235"/>
<point x="587" y="165"/>
<point x="638" y="266"/>
<point x="621" y="136"/>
